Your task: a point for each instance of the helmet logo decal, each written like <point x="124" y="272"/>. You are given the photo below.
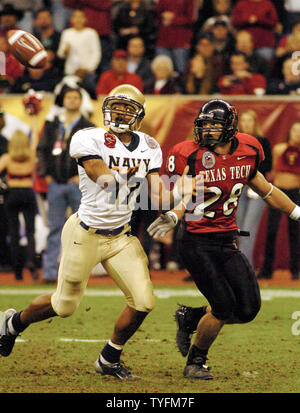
<point x="110" y="140"/>
<point x="208" y="160"/>
<point x="206" y="116"/>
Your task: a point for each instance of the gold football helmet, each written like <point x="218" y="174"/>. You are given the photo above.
<point x="122" y="120"/>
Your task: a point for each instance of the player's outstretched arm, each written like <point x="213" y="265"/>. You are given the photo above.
<point x="98" y="171"/>
<point x="274" y="196"/>
<point x="167" y="221"/>
<point x="185" y="187"/>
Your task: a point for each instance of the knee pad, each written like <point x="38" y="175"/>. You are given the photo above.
<point x="143" y="299"/>
<point x="223" y="310"/>
<point x="249" y="314"/>
<point x="222" y="316"/>
<point x="66" y="298"/>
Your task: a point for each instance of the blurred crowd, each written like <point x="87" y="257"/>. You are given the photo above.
<point x="198" y="47"/>
<point x="231" y="47"/>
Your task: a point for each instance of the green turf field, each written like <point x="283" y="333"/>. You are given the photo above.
<point x="57" y="355"/>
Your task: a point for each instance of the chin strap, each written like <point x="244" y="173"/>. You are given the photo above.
<point x="119" y="130"/>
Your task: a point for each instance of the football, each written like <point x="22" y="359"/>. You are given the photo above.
<point x="27" y="49"/>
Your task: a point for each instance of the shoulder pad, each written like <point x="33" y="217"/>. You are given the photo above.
<point x="90" y="127"/>
<point x="151" y="142"/>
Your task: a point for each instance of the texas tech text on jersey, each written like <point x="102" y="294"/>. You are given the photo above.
<point x="225" y="177"/>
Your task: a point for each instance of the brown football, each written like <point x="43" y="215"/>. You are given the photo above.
<point x="27" y="49"/>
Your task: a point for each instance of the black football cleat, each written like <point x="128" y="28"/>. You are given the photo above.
<point x="195" y="366"/>
<point x="197" y="369"/>
<point x="116" y="370"/>
<point x="186" y="325"/>
<point x="7" y="340"/>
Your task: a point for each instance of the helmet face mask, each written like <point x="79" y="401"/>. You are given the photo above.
<point x="124" y="109"/>
<point x="215" y="124"/>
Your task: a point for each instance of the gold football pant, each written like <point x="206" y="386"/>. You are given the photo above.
<point x="121" y="255"/>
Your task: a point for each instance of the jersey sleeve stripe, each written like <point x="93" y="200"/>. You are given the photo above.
<point x="191" y="161"/>
<point x="86" y="158"/>
<point x="153" y="170"/>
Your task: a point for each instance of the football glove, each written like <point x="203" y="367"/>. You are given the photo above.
<point x="163" y="224"/>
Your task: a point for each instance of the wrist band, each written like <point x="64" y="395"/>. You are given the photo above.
<point x="295" y="214"/>
<point x="269" y="193"/>
<point x="173" y="216"/>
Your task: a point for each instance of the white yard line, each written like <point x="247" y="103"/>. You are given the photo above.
<point x="86" y="340"/>
<point x="266" y="294"/>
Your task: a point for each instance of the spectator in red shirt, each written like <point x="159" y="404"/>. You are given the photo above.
<point x="9" y="17"/>
<point x="289" y="42"/>
<point x="98" y="14"/>
<point x="241" y="81"/>
<point x="118" y="75"/>
<point x="260" y="18"/>
<point x="13" y="69"/>
<point x="175" y="30"/>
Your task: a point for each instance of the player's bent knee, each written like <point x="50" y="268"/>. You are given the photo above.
<point x="222" y="316"/>
<point x="143" y="299"/>
<point x="145" y="307"/>
<point x="148" y="307"/>
<point x="66" y="299"/>
<point x="223" y="312"/>
<point x="248" y="315"/>
<point x="66" y="309"/>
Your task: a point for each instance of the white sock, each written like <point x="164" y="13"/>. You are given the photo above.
<point x="11" y="330"/>
<point x="116" y="346"/>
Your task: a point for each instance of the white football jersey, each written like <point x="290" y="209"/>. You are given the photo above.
<point x="108" y="210"/>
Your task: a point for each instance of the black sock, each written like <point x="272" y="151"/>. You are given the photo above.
<point x="196" y="352"/>
<point x="17" y="323"/>
<point x="199" y="312"/>
<point x="111" y="354"/>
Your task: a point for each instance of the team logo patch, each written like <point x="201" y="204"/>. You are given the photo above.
<point x="208" y="160"/>
<point x="151" y="142"/>
<point x="110" y="140"/>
